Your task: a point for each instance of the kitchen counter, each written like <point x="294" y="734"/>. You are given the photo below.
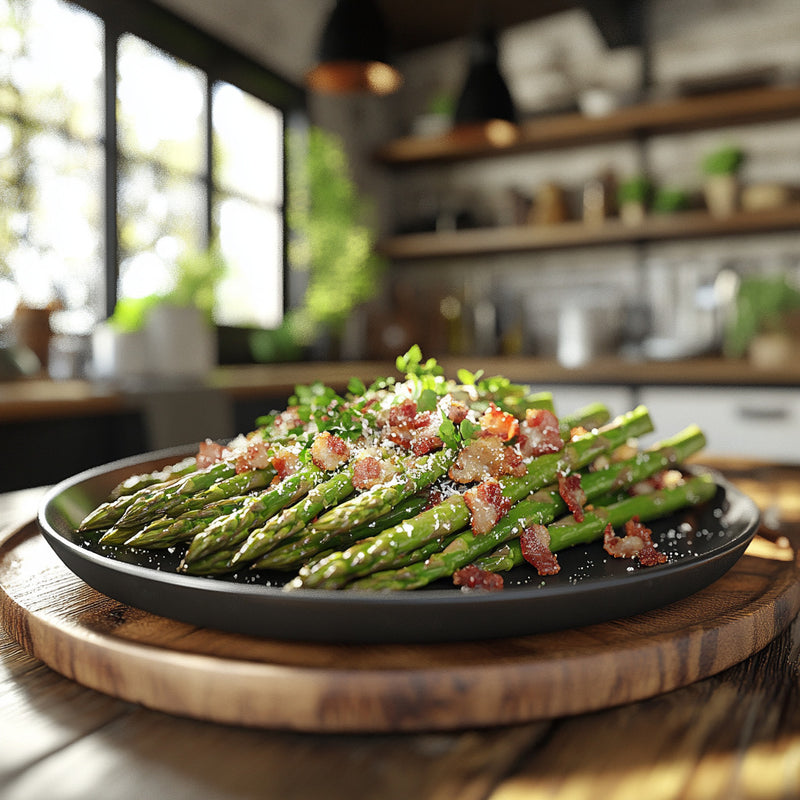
<point x="41" y="398"/>
<point x="733" y="734"/>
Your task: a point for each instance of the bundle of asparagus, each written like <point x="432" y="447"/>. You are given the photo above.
<point x="406" y="482"/>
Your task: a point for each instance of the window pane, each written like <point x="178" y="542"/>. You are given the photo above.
<point x="51" y="53"/>
<point x="248" y="145"/>
<point x="250" y="239"/>
<point x="161" y="107"/>
<point x="51" y="168"/>
<point x="248" y="174"/>
<point x="161" y="217"/>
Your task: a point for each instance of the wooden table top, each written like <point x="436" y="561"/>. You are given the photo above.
<point x="733" y="735"/>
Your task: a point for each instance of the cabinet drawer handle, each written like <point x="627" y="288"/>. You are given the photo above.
<point x="771" y="413"/>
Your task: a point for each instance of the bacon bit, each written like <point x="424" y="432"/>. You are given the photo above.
<point x="500" y="423"/>
<point x="487" y="505"/>
<point x="571" y="491"/>
<point x="370" y="470"/>
<point x="535" y="544"/>
<point x="413" y="431"/>
<point x="329" y="451"/>
<point x="513" y="463"/>
<point x="666" y="479"/>
<point x="434" y="498"/>
<point x="486" y="457"/>
<point x="636" y="543"/>
<point x="256" y="455"/>
<point x="402" y="414"/>
<point x="539" y="433"/>
<point x="457" y="412"/>
<point x="367" y="472"/>
<point x="425" y="436"/>
<point x="285" y="463"/>
<point x="209" y="453"/>
<point x="473" y="577"/>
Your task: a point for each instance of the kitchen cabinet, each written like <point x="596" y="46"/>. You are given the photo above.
<point x="761" y="423"/>
<point x="634" y="124"/>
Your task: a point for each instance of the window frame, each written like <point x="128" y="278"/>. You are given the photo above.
<point x="221" y="63"/>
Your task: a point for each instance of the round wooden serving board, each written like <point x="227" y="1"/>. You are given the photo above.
<point x="177" y="668"/>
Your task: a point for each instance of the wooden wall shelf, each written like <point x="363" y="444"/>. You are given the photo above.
<point x="686" y="225"/>
<point x="571" y="130"/>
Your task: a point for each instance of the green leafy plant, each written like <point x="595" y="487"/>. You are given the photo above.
<point x="332" y="241"/>
<point x="763" y="304"/>
<point x="725" y="160"/>
<point x="636" y="189"/>
<point x="668" y="200"/>
<point x="197" y="276"/>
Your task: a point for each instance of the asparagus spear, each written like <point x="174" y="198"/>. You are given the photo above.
<point x="167" y="531"/>
<point x="152" y="501"/>
<point x="370" y="555"/>
<point x="268" y="530"/>
<point x="568" y="533"/>
<point x="192" y="494"/>
<point x="541" y="507"/>
<point x="297" y="549"/>
<point x="375" y="502"/>
<point x="222" y="529"/>
<point x="293" y="519"/>
<point x="226" y="532"/>
<point x="168" y="474"/>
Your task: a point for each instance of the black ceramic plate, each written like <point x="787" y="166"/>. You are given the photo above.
<point x="701" y="545"/>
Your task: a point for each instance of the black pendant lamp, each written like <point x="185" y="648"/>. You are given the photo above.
<point x="353" y="54"/>
<point x="485" y="100"/>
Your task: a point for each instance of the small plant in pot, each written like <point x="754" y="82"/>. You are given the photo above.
<point x="670" y="200"/>
<point x="721" y="188"/>
<point x="633" y="196"/>
<point x="764" y="325"/>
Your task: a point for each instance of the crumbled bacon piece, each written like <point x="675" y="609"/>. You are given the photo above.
<point x="434" y="498"/>
<point x="209" y="453"/>
<point x="370" y="470"/>
<point x="636" y="543"/>
<point x="486" y="457"/>
<point x="285" y="463"/>
<point x="487" y="505"/>
<point x="255" y="455"/>
<point x="666" y="479"/>
<point x="571" y="491"/>
<point x="539" y="433"/>
<point x="535" y="544"/>
<point x="328" y="451"/>
<point x="473" y="577"/>
<point x="576" y="432"/>
<point x="500" y="423"/>
<point x="414" y="431"/>
<point x="402" y="414"/>
<point x="457" y="412"/>
<point x="366" y="472"/>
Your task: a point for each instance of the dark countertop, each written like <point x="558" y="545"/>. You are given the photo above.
<point x="43" y="398"/>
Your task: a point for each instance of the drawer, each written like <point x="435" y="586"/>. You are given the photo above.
<point x="753" y="423"/>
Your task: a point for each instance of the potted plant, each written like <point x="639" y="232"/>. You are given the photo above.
<point x="169" y="335"/>
<point x="762" y="326"/>
<point x="721" y="187"/>
<point x="331" y="252"/>
<point x="670" y="200"/>
<point x="633" y="196"/>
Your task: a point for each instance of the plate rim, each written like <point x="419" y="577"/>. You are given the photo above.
<point x="432" y="599"/>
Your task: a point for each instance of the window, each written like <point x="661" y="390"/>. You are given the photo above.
<point x="129" y="139"/>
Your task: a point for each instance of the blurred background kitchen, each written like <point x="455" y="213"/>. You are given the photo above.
<point x="600" y="198"/>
